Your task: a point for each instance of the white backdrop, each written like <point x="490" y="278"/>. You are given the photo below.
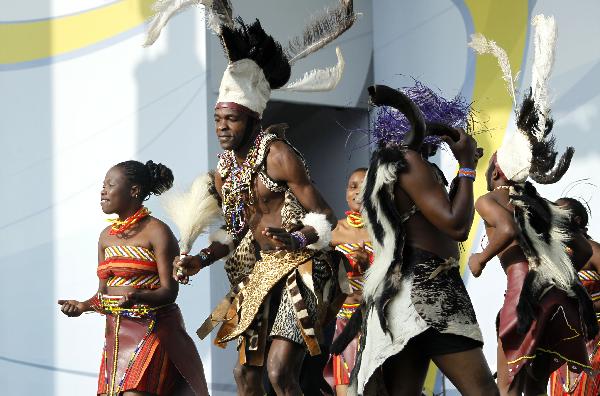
<point x="78" y="94"/>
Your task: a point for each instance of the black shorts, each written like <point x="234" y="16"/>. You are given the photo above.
<point x="433" y="343"/>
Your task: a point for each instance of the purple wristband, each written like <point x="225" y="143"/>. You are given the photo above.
<point x="300" y="238"/>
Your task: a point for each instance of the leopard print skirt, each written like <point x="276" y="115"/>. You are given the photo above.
<point x="241" y="262"/>
<point x="285" y="325"/>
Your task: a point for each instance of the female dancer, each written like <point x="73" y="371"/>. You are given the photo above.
<point x="147" y="350"/>
<point x="563" y="381"/>
<point x="349" y="237"/>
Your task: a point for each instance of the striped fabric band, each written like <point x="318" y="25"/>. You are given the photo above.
<point x="347" y="310"/>
<point x="595" y="296"/>
<point x="588" y="275"/>
<point x="305" y="322"/>
<point x="357" y="283"/>
<point x="349" y="248"/>
<point x="134" y="252"/>
<point x="142" y="281"/>
<point x="129" y="266"/>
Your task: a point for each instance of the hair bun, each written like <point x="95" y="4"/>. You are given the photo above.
<point x="161" y="177"/>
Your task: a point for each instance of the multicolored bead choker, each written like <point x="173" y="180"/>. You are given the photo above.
<point x="120" y="226"/>
<point x="354" y="219"/>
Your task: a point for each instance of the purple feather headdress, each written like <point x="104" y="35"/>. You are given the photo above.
<point x="390" y="125"/>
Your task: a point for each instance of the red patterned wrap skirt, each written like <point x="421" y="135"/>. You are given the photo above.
<point x="149" y="352"/>
<point x="554" y="338"/>
<point x="564" y="382"/>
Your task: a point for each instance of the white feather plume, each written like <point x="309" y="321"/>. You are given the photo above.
<point x="218" y="13"/>
<point x="192" y="211"/>
<point x="319" y="79"/>
<point x="544" y="45"/>
<point x="482" y="45"/>
<point x="164" y="10"/>
<point x="322" y="30"/>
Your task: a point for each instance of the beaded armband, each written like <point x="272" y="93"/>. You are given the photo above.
<point x="205" y="256"/>
<point x="467" y="172"/>
<point x="299" y="238"/>
<point x="95" y="303"/>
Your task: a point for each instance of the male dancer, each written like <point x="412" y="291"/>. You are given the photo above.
<point x="416" y="308"/>
<point x="277" y="225"/>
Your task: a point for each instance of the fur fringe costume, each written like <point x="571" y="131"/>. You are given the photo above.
<point x="407" y="291"/>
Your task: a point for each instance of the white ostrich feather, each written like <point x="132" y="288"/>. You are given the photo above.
<point x="164" y="10"/>
<point x="192" y="211"/>
<point x="218" y="13"/>
<point x="482" y="45"/>
<point x="544" y="46"/>
<point x="322" y="30"/>
<point x="320" y="79"/>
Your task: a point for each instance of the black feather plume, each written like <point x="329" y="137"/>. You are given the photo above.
<point x="251" y="42"/>
<point x="543" y="153"/>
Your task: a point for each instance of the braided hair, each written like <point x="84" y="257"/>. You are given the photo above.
<point x="150" y="177"/>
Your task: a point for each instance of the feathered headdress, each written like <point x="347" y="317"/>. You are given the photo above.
<point x="529" y="151"/>
<point x="258" y="64"/>
<point x="391" y="124"/>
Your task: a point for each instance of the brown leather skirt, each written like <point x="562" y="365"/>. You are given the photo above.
<point x="151" y="354"/>
<point x="554" y="338"/>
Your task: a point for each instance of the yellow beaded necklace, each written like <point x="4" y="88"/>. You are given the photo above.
<point x="354" y="219"/>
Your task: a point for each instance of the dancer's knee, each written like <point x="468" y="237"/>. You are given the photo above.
<point x="245" y="376"/>
<point x="281" y="376"/>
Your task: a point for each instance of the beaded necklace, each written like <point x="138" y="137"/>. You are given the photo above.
<point x="237" y="187"/>
<point x="120" y="226"/>
<point x="354" y="219"/>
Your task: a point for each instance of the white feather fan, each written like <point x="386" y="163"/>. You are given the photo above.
<point x="192" y="211"/>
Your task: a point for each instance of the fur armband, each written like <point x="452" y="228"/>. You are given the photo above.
<point x="224" y="238"/>
<point x="319" y="222"/>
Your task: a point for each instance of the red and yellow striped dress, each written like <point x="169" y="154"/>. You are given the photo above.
<point x="146" y="348"/>
<point x="563" y="382"/>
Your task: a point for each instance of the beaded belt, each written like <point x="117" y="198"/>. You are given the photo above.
<point x="110" y="306"/>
